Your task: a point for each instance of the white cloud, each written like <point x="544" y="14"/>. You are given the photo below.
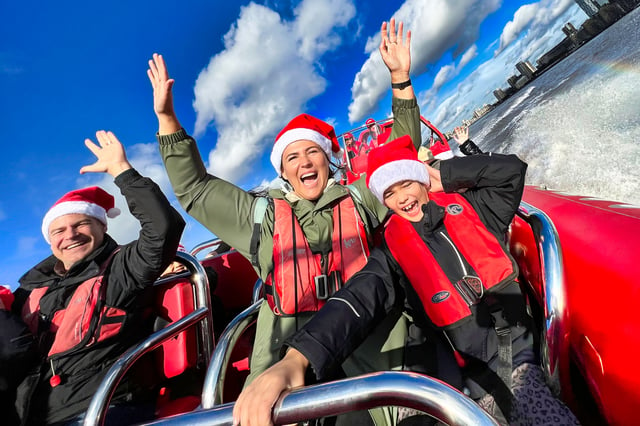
<point x="521" y="19"/>
<point x="448" y="109"/>
<point x="263" y="77"/>
<point x="471" y="53"/>
<point x="437" y="26"/>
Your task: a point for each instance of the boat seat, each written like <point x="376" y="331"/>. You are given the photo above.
<point x="174" y="301"/>
<point x="236" y="279"/>
<point x="359" y="164"/>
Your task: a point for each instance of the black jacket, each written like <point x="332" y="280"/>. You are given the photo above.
<point x="131" y="272"/>
<point x="494" y="186"/>
<point x="470" y="148"/>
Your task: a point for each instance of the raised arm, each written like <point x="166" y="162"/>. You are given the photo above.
<point x="395" y="50"/>
<point x="162" y="96"/>
<point x="494" y="181"/>
<point x="467" y="146"/>
<point x="111" y="156"/>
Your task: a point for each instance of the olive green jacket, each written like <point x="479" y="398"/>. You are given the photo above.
<point x="227" y="210"/>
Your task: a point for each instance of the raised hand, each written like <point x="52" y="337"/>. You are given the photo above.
<point x="162" y="95"/>
<point x="395" y="50"/>
<point x="461" y="134"/>
<point x="111" y="156"/>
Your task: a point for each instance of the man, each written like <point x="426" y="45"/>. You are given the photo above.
<point x="442" y="259"/>
<point x="88" y="302"/>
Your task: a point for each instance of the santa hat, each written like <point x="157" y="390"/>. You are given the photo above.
<point x="305" y="127"/>
<point x="92" y="201"/>
<point x="441" y="150"/>
<point x="394" y="162"/>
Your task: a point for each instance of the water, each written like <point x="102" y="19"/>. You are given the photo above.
<point x="578" y="124"/>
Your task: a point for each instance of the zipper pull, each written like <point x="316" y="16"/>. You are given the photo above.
<point x="55" y="380"/>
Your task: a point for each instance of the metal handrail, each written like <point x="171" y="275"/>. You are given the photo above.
<point x="205" y="245"/>
<point x="398" y="388"/>
<point x="202" y="313"/>
<point x="553" y="290"/>
<point x="214" y="380"/>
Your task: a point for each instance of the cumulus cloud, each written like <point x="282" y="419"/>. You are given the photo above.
<point x="437" y="26"/>
<point x="264" y="76"/>
<point x="521" y="20"/>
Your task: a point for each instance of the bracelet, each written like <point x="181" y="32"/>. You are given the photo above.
<point x="402" y="85"/>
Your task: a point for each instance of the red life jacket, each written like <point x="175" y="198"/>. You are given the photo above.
<point x="299" y="282"/>
<point x="447" y="303"/>
<point x="84" y="321"/>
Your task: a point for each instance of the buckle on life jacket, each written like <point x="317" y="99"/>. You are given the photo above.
<point x="322" y="287"/>
<point x="326" y="286"/>
<point x="470" y="288"/>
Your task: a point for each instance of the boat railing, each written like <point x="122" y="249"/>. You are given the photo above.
<point x="214" y="379"/>
<point x="196" y="275"/>
<point x="205" y="245"/>
<point x="395" y="388"/>
<point x="553" y="291"/>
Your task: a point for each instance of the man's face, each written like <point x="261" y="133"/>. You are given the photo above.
<point x="74" y="236"/>
<point x="306" y="167"/>
<point x="406" y="199"/>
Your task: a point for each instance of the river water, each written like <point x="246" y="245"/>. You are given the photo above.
<point x="578" y="124"/>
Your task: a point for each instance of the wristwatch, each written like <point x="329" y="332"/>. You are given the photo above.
<point x="402" y="85"/>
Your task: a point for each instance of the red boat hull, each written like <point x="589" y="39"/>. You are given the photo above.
<point x="599" y="243"/>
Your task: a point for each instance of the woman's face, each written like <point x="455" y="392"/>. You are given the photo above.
<point x="306" y="166"/>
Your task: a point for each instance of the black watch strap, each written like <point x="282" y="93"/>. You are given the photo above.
<point x="402" y="85"/>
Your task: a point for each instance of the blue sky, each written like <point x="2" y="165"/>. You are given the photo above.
<point x="242" y="70"/>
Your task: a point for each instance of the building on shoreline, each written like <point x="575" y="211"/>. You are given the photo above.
<point x="601" y="14"/>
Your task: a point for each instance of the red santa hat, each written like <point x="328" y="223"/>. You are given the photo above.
<point x="92" y="201"/>
<point x="394" y="162"/>
<point x="305" y="127"/>
<point x="441" y="150"/>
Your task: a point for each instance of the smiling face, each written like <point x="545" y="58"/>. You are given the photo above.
<point x="306" y="167"/>
<point x="406" y="199"/>
<point x="74" y="236"/>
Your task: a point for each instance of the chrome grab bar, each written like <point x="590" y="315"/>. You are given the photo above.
<point x="205" y="245"/>
<point x="553" y="290"/>
<point x="100" y="402"/>
<point x="214" y="380"/>
<point x="401" y="388"/>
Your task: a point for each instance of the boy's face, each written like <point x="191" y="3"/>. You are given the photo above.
<point x="406" y="199"/>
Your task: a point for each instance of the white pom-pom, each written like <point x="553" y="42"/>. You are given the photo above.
<point x="113" y="212"/>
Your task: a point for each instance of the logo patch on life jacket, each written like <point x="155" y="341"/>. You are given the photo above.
<point x="440" y="296"/>
<point x="454" y="209"/>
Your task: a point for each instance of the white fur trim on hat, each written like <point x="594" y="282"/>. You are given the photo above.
<point x="396" y="171"/>
<point x="444" y="155"/>
<point x="71" y="207"/>
<point x="295" y="135"/>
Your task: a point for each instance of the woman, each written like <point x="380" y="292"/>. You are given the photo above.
<point x="310" y="211"/>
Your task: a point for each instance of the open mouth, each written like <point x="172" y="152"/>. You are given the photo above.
<point x="309" y="178"/>
<point x="75" y="245"/>
<point x="411" y="208"/>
